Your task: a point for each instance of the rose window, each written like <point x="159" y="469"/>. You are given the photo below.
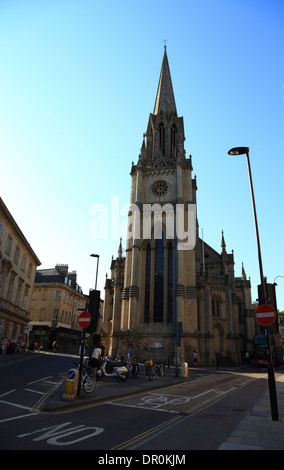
<point x="159" y="188"/>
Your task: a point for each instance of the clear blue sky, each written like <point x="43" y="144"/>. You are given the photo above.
<point x="78" y="79"/>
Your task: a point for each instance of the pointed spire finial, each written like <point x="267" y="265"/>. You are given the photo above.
<point x="120" y="249"/>
<point x="244" y="276"/>
<point x="165" y="100"/>
<point x="223" y="244"/>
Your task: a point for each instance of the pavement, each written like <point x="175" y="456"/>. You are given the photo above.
<point x="256" y="431"/>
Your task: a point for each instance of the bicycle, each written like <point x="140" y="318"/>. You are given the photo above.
<point x="150" y="370"/>
<point x="133" y="368"/>
<point x="88" y="379"/>
<point x="161" y="369"/>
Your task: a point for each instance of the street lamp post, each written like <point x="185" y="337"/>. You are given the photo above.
<point x="263" y="298"/>
<point x="276" y="278"/>
<point x="98" y="259"/>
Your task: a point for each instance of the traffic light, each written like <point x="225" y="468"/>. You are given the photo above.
<point x="93" y="309"/>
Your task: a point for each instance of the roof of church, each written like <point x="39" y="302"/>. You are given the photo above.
<point x="165" y="100"/>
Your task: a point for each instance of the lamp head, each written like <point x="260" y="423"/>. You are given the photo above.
<point x="95" y="256"/>
<point x="239" y="151"/>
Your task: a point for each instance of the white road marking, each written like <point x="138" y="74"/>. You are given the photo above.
<point x="40" y="380"/>
<point x="7" y="393"/>
<point x="53" y="434"/>
<point x="34" y="391"/>
<point x="17" y="417"/>
<point x="15" y="404"/>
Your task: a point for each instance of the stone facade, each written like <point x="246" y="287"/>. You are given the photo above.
<point x="170" y="283"/>
<point x="18" y="264"/>
<point x="57" y="301"/>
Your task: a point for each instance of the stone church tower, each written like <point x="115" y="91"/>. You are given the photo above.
<point x="172" y="293"/>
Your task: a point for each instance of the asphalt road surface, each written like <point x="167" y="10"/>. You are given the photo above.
<point x="195" y="415"/>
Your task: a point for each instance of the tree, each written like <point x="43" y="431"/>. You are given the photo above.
<point x="281" y="317"/>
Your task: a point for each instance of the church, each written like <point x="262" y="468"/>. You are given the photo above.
<point x="172" y="293"/>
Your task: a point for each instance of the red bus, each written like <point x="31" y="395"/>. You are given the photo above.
<point x="260" y="349"/>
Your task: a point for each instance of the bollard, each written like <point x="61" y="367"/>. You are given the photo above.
<point x="71" y="385"/>
<point x="184" y="369"/>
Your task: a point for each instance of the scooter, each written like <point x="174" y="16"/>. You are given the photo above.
<point x="113" y="368"/>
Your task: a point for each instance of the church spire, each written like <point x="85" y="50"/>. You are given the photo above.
<point x="223" y="244"/>
<point x="165" y="100"/>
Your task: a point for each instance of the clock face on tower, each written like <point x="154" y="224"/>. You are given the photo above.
<point x="159" y="188"/>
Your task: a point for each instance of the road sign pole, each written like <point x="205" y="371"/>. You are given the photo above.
<point x="84" y="321"/>
<point x="81" y="361"/>
<point x="271" y="381"/>
<point x="265" y="315"/>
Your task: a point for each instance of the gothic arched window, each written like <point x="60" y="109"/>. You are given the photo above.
<point x="170" y="284"/>
<point x="159" y="281"/>
<point x="162" y="138"/>
<point x="147" y="285"/>
<point x="173" y="139"/>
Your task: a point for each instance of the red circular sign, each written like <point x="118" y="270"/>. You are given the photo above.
<point x="84" y="319"/>
<point x="265" y="315"/>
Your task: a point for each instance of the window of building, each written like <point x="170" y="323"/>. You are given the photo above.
<point x="16" y="255"/>
<point x="18" y="293"/>
<point x="162" y="138"/>
<point x="161" y="288"/>
<point x="10" y="289"/>
<point x="30" y="270"/>
<point x="160" y="188"/>
<point x="159" y="281"/>
<point x="170" y="284"/>
<point x="147" y="285"/>
<point x="173" y="139"/>
<point x="8" y="245"/>
<point x="24" y="262"/>
<point x="25" y="301"/>
<point x="57" y="295"/>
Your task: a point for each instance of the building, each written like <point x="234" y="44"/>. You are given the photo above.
<point x="57" y="301"/>
<point x="172" y="293"/>
<point x="18" y="263"/>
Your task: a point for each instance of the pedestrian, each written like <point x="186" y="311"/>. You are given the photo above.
<point x="96" y="360"/>
<point x="54" y="346"/>
<point x="23" y="346"/>
<point x="195" y="359"/>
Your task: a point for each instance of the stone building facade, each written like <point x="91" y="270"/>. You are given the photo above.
<point x="172" y="293"/>
<point x="57" y="301"/>
<point x="18" y="263"/>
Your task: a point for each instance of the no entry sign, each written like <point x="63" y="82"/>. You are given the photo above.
<point x="84" y="319"/>
<point x="265" y="315"/>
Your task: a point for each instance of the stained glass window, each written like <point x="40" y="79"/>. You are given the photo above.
<point x="159" y="281"/>
<point x="147" y="285"/>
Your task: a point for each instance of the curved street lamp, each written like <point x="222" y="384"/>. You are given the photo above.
<point x="263" y="298"/>
<point x="276" y="278"/>
<point x="245" y="151"/>
<point x="98" y="259"/>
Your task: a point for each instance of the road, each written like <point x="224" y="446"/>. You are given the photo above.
<point x="194" y="415"/>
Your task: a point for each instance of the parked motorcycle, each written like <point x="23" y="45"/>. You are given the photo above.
<point x="113" y="368"/>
